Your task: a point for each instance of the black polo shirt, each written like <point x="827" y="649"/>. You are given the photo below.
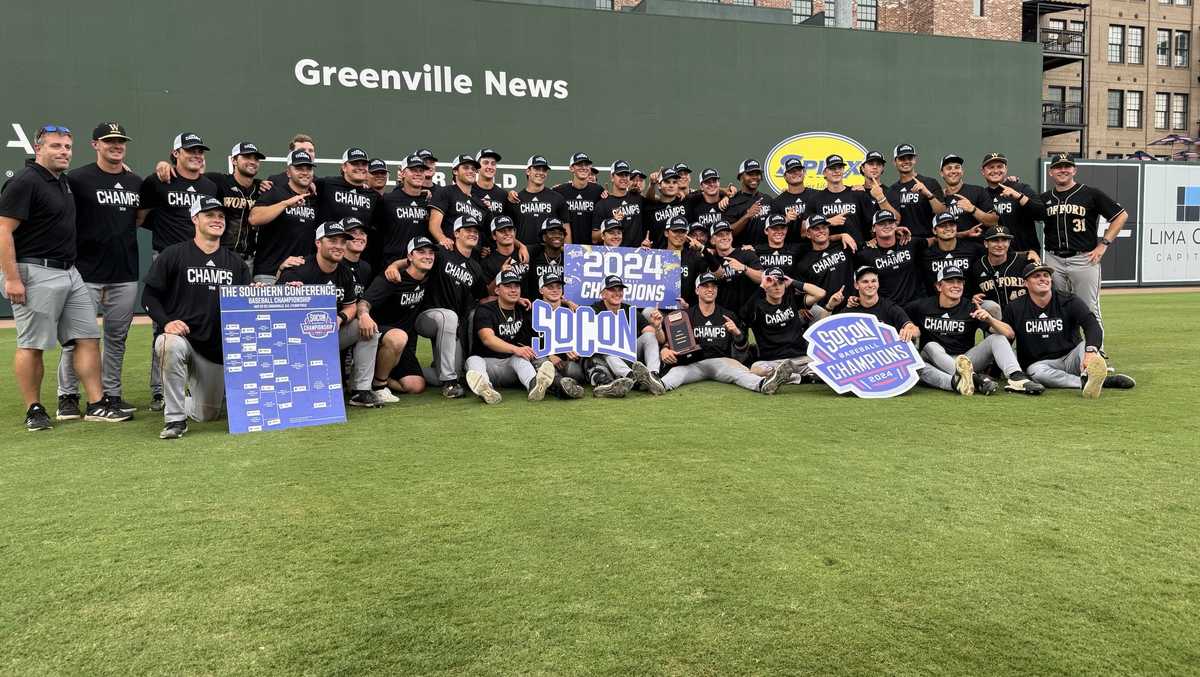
<point x="45" y="206"/>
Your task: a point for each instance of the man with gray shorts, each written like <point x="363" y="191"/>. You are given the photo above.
<point x="182" y="296"/>
<point x="51" y="303"/>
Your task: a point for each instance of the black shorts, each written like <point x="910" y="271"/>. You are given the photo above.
<point x="408" y="364"/>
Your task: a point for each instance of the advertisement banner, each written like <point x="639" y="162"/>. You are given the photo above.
<point x="1171" y="224"/>
<point x="282" y="368"/>
<point x="650" y="275"/>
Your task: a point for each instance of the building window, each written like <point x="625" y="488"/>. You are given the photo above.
<point x="802" y="10"/>
<point x="1162" y="48"/>
<point x="1116" y="44"/>
<point x="977" y="7"/>
<point x="604" y="4"/>
<point x="1179" y="111"/>
<point x="1133" y="45"/>
<point x="868" y="11"/>
<point x="1183" y="3"/>
<point x="1077" y="26"/>
<point x="830" y="12"/>
<point x="748" y="3"/>
<point x="1162" y="101"/>
<point x="1133" y="109"/>
<point x="1116" y="108"/>
<point x="1056" y="24"/>
<point x="1183" y="45"/>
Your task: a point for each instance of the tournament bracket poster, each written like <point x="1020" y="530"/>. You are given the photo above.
<point x="282" y="368"/>
<point x="650" y="275"/>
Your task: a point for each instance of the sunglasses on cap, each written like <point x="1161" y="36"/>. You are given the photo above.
<point x="53" y="129"/>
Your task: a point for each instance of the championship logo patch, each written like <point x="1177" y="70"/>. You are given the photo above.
<point x="812" y="148"/>
<point x="856" y="353"/>
<point x="318" y="324"/>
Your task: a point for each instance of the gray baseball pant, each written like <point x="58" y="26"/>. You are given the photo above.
<point x="193" y="387"/>
<point x="440" y="325"/>
<point x="364" y="354"/>
<point x="115" y="303"/>
<point x="720" y="369"/>
<point x="802" y="368"/>
<point x="1076" y="275"/>
<point x="939" y="365"/>
<point x="156" y="384"/>
<point x="1063" y="372"/>
<point x="504" y="372"/>
<point x="647" y="349"/>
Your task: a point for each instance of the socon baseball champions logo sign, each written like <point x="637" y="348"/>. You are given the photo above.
<point x="856" y="353"/>
<point x="812" y="148"/>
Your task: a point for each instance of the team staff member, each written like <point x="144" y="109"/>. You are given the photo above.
<point x="346" y="195"/>
<point x="502" y="355"/>
<point x="285" y="218"/>
<point x="327" y="267"/>
<point x="703" y="208"/>
<point x="898" y="265"/>
<point x="581" y="194"/>
<point x="535" y="203"/>
<point x="622" y="204"/>
<point x="998" y="273"/>
<point x="1071" y="212"/>
<point x="457" y="200"/>
<point x="1016" y="204"/>
<point x="388" y="310"/>
<point x="182" y="296"/>
<point x="403" y="214"/>
<point x="918" y="198"/>
<point x="827" y="264"/>
<point x="792" y="203"/>
<point x="721" y="341"/>
<point x="237" y="191"/>
<point x="748" y="209"/>
<point x="106" y="204"/>
<point x="50" y="301"/>
<point x="848" y="211"/>
<point x="970" y="204"/>
<point x="778" y="319"/>
<point x="1047" y="325"/>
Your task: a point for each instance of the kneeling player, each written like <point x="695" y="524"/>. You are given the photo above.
<point x="777" y="318"/>
<point x="720" y="339"/>
<point x="389" y="309"/>
<point x="502" y="353"/>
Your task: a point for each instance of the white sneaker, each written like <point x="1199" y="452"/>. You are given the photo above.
<point x="385" y="396"/>
<point x="545" y="376"/>
<point x="480" y="385"/>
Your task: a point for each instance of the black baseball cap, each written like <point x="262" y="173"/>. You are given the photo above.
<point x="550" y="277"/>
<point x="774" y="272"/>
<point x="863" y="270"/>
<point x="611" y="224"/>
<point x="678" y="223"/>
<point x="1061" y="159"/>
<point x="204" y="204"/>
<point x="903" y="150"/>
<point x="579" y="158"/>
<point x="466" y="221"/>
<point x="834" y="160"/>
<point x="993" y="157"/>
<point x="246" y="148"/>
<point x="817" y="221"/>
<point x="951" y="159"/>
<point x="351" y="223"/>
<point x="425" y="154"/>
<point x="188" y="140"/>
<point x="668" y="174"/>
<point x="708" y="174"/>
<point x="332" y="229"/>
<point x="420" y="242"/>
<point x="997" y="233"/>
<point x="413" y="162"/>
<point x="109" y="130"/>
<point x="552" y="224"/>
<point x="1036" y="268"/>
<point x="354" y="154"/>
<point x="749" y="165"/>
<point x="637" y="172"/>
<point x="706" y="278"/>
<point x="950" y="273"/>
<point x="501" y="222"/>
<point x="593" y="170"/>
<point x="537" y="161"/>
<point x="682" y="168"/>
<point x="614" y="281"/>
<point x="775" y="221"/>
<point x="487" y="152"/>
<point x="507" y="277"/>
<point x="793" y="163"/>
<point x="376" y="165"/>
<point x="465" y="159"/>
<point x="298" y="157"/>
<point x="881" y="216"/>
<point x="873" y="156"/>
<point x="619" y="167"/>
<point x="718" y="227"/>
<point x="944" y="217"/>
<point x="698" y="226"/>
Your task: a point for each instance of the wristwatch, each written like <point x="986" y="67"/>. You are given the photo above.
<point x="1091" y="349"/>
<point x="1106" y="242"/>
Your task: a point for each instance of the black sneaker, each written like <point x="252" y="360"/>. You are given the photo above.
<point x="157" y="403"/>
<point x="68" y="408"/>
<point x="1019" y="382"/>
<point x="452" y="390"/>
<point x="364" y="398"/>
<point x="173" y="430"/>
<point x="647" y="379"/>
<point x="104" y="412"/>
<point x="1119" y="381"/>
<point x="985" y="385"/>
<point x="598" y="376"/>
<point x="119" y="403"/>
<point x="37" y="418"/>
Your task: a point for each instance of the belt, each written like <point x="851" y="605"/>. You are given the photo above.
<point x="1064" y="253"/>
<point x="49" y="263"/>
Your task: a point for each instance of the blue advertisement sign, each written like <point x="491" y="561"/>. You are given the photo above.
<point x="856" y="353"/>
<point x="651" y="275"/>
<point x="282" y="368"/>
<point x="584" y="331"/>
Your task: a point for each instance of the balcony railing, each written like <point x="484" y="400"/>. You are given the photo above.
<point x="1059" y="113"/>
<point x="1057" y="41"/>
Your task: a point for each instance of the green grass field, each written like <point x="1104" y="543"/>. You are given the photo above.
<point x="709" y="531"/>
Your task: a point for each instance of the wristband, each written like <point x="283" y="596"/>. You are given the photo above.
<point x="1106" y="242"/>
<point x="343" y="317"/>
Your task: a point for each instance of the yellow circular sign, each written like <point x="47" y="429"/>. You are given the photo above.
<point x="812" y="148"/>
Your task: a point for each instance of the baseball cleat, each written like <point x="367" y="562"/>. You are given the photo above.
<point x="479" y="384"/>
<point x="985" y="386"/>
<point x="365" y="399"/>
<point x="36" y="418"/>
<point x="173" y="430"/>
<point x="599" y="377"/>
<point x="452" y="390"/>
<point x="964" y="376"/>
<point x="68" y="408"/>
<point x="1019" y="382"/>
<point x="385" y="396"/>
<point x="782" y="374"/>
<point x="157" y="403"/>
<point x="545" y="377"/>
<point x="570" y="387"/>
<point x="647" y="379"/>
<point x="1119" y="381"/>
<point x="618" y="388"/>
<point x="1095" y="373"/>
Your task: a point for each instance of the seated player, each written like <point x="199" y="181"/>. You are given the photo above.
<point x="777" y="317"/>
<point x="328" y="267"/>
<point x="867" y="300"/>
<point x="608" y="369"/>
<point x="502" y="351"/>
<point x="721" y="340"/>
<point x="355" y="248"/>
<point x="953" y="361"/>
<point x="1047" y="326"/>
<point x="182" y="295"/>
<point x="570" y="366"/>
<point x="389" y="310"/>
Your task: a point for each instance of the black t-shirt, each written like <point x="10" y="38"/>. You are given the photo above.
<point x="739" y="204"/>
<point x="1051" y="332"/>
<point x="900" y="266"/>
<point x="338" y="199"/>
<point x="978" y="195"/>
<point x="493" y="199"/>
<point x="692" y="264"/>
<point x="45" y="206"/>
<point x="964" y="256"/>
<point x="829" y="269"/>
<point x="700" y="211"/>
<point x="238" y="202"/>
<point x="799" y="202"/>
<point x="953" y="327"/>
<point x="400" y="218"/>
<point x="581" y="202"/>
<point x="532" y="210"/>
<point x="884" y="310"/>
<point x="170" y="204"/>
<point x="711" y="335"/>
<point x="1019" y="220"/>
<point x="857" y="205"/>
<point x="785" y="258"/>
<point x="511" y="326"/>
<point x="292" y="233"/>
<point x="362" y="275"/>
<point x="1003" y="283"/>
<point x="184" y="284"/>
<point x="457" y="284"/>
<point x="396" y="304"/>
<point x="641" y="320"/>
<point x="540" y="263"/>
<point x="452" y="202"/>
<point x="734" y="287"/>
<point x="106" y="208"/>
<point x="633" y="232"/>
<point x="778" y="328"/>
<point x="657" y="215"/>
<point x="1071" y="217"/>
<point x="493" y="263"/>
<point x="916" y="213"/>
<point x="309" y="272"/>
